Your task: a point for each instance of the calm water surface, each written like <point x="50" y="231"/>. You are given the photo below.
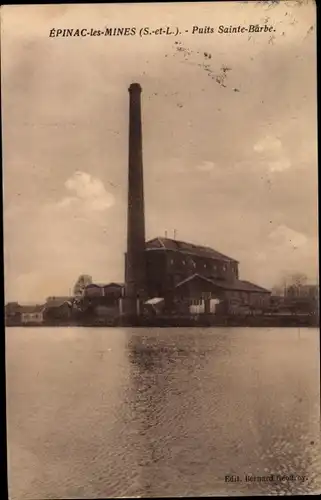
<point x="161" y="412"/>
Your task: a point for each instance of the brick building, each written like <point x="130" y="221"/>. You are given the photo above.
<point x="101" y="301"/>
<point x="194" y="278"/>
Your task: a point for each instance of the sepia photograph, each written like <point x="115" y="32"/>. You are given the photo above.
<point x="161" y="274"/>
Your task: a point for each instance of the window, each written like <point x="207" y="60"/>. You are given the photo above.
<point x="171" y="262"/>
<point x="183" y="262"/>
<point x="193" y="264"/>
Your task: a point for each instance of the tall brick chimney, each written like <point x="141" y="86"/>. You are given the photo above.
<point x="135" y="266"/>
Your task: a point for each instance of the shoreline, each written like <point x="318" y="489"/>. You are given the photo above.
<point x="203" y="321"/>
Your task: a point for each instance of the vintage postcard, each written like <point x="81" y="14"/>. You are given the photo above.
<point x="161" y="249"/>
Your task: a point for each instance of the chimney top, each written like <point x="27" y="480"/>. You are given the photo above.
<point x="135" y="87"/>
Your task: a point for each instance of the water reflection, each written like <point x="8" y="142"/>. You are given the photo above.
<point x="96" y="413"/>
<point x="174" y="414"/>
<point x="286" y="415"/>
<point x="213" y="407"/>
<point x="153" y="367"/>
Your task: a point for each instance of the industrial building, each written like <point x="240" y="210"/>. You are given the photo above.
<point x="189" y="275"/>
<point x="163" y="275"/>
<point x="183" y="278"/>
<point x="189" y="278"/>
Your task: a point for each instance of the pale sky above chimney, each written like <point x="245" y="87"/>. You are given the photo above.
<point x="229" y="136"/>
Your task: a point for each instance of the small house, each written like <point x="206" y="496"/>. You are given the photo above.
<point x="32" y="315"/>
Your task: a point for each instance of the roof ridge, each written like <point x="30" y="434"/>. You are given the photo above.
<point x="192" y="248"/>
<point x="234" y="285"/>
<point x="192" y="277"/>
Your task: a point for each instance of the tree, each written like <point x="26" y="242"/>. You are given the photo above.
<point x="81" y="283"/>
<point x="290" y="284"/>
<point x="298" y="279"/>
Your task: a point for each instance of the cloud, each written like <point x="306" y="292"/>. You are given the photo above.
<point x="90" y="193"/>
<point x="284" y="251"/>
<point x="286" y="237"/>
<point x="273" y="154"/>
<point x="68" y="237"/>
<point x="206" y="166"/>
<point x="279" y="165"/>
<point x="66" y="202"/>
<point x="71" y="230"/>
<point x="268" y="144"/>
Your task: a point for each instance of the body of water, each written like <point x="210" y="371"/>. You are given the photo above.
<point x="103" y="412"/>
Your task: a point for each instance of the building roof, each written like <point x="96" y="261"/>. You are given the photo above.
<point x="237" y="285"/>
<point x="58" y="301"/>
<point x="240" y="285"/>
<point x="186" y="248"/>
<point x="193" y="277"/>
<point x="31" y="308"/>
<point x="57" y="298"/>
<point x="104" y="285"/>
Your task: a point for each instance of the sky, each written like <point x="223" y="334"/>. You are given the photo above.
<point x="229" y="136"/>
